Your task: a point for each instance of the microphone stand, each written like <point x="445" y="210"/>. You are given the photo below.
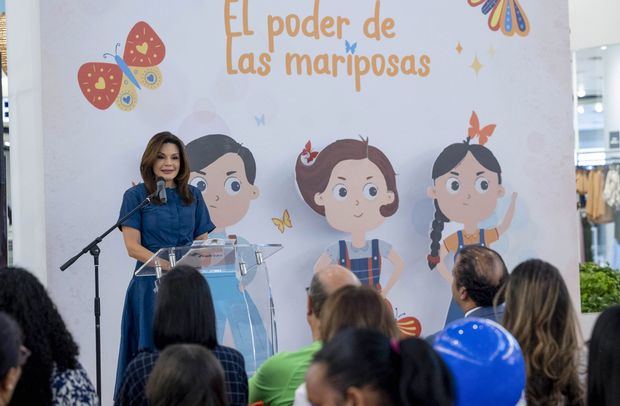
<point x="94" y="250"/>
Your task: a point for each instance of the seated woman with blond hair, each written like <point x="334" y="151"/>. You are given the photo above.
<point x="356" y="307"/>
<point x="540" y="315"/>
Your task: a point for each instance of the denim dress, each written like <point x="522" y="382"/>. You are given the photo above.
<point x="173" y="224"/>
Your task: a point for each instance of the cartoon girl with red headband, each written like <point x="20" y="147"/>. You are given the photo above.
<point x="353" y="185"/>
<point x="467" y="183"/>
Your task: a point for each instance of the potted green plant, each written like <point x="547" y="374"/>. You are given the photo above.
<point x="600" y="287"/>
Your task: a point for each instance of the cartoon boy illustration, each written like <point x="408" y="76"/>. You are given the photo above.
<point x="467" y="183"/>
<point x="352" y="184"/>
<point x="225" y="171"/>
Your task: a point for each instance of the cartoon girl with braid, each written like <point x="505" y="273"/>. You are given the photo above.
<point x="467" y="183"/>
<point x="353" y="185"/>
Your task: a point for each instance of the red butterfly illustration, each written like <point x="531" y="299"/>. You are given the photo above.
<point x="105" y="83"/>
<point x="308" y="154"/>
<point x="475" y="130"/>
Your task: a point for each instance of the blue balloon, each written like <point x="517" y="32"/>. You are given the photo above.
<point x="485" y="360"/>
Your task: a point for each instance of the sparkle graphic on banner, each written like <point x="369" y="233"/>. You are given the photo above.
<point x="476" y="65"/>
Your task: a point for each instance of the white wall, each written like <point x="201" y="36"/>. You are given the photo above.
<point x="594" y="23"/>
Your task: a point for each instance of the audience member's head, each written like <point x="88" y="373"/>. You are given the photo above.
<point x="24" y="298"/>
<point x="604" y="359"/>
<point x="364" y="367"/>
<point x="356" y="307"/>
<point x="186" y="374"/>
<point x="11" y="358"/>
<point x="326" y="281"/>
<point x="479" y="273"/>
<point x="540" y="315"/>
<point x="184" y="310"/>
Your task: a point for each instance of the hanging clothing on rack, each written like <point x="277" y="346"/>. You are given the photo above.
<point x="582" y="181"/>
<point x="581" y="177"/>
<point x="611" y="192"/>
<point x="597" y="209"/>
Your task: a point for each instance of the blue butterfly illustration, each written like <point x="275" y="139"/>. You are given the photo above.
<point x="348" y="47"/>
<point x="260" y="120"/>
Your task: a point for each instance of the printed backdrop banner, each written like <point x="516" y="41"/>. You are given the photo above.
<point x="380" y="135"/>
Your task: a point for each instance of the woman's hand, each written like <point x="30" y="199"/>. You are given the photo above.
<point x="132" y="239"/>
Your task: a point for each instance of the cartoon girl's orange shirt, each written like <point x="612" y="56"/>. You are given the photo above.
<point x="452" y="242"/>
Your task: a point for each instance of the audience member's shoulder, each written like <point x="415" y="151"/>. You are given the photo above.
<point x="73" y="387"/>
<point x="291" y="358"/>
<point x="224" y="353"/>
<point x="142" y="360"/>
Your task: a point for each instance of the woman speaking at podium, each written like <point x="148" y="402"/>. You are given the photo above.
<point x="177" y="222"/>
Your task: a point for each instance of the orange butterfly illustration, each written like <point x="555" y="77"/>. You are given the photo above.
<point x="474" y="130"/>
<point x="104" y="84"/>
<point x="284" y="222"/>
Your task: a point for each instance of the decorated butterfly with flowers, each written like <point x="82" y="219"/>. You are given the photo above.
<point x="507" y="15"/>
<point x="106" y="83"/>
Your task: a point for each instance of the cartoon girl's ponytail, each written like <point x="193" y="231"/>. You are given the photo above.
<point x="436" y="230"/>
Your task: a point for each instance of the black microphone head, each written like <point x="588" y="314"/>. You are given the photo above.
<point x="161" y="190"/>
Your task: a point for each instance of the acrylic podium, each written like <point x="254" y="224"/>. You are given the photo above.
<point x="239" y="282"/>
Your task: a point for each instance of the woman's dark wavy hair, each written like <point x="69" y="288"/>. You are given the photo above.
<point x="149" y="157"/>
<point x="25" y="299"/>
<point x="405" y="373"/>
<point x="449" y="158"/>
<point x="604" y="359"/>
<point x="184" y="312"/>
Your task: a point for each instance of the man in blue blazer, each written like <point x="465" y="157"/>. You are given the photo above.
<point x="479" y="273"/>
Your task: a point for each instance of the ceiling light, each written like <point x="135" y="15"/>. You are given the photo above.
<point x="581" y="92"/>
<point x="598" y="107"/>
<point x="580" y="109"/>
<point x="604" y="47"/>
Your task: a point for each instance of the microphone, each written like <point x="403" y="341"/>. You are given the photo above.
<point x="161" y="190"/>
